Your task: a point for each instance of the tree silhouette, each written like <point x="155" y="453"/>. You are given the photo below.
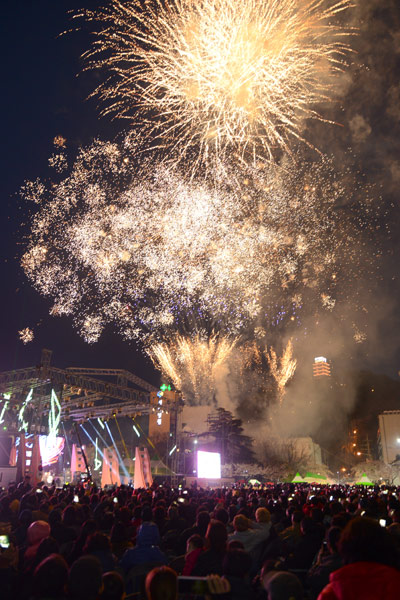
<point x="230" y="440"/>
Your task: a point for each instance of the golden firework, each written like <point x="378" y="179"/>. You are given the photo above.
<point x="282" y="368"/>
<point x="218" y="76"/>
<point x="194" y="364"/>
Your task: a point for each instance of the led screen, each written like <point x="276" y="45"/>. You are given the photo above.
<point x="50" y="448"/>
<point x="209" y="465"/>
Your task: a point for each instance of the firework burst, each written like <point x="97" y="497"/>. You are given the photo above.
<point x="26" y="335"/>
<point x="138" y="246"/>
<point x="218" y="76"/>
<point x="194" y="365"/>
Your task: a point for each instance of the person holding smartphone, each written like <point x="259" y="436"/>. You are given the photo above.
<point x="328" y="561"/>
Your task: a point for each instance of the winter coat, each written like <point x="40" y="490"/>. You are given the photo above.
<point x="364" y="580"/>
<point x="146" y="549"/>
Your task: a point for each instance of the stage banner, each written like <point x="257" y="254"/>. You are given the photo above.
<point x="77" y="462"/>
<point x="143" y="477"/>
<point x="110" y="473"/>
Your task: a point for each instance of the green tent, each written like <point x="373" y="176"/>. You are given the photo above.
<point x="254" y="482"/>
<point x="364" y="480"/>
<point x="298" y="478"/>
<point x="315" y="478"/>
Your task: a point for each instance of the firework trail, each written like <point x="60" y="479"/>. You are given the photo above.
<point x="282" y="368"/>
<point x="194" y="365"/>
<point x="132" y="243"/>
<point x="218" y="76"/>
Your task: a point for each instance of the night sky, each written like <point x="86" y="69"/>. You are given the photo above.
<point x="43" y="97"/>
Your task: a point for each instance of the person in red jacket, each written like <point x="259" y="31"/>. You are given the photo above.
<point x="195" y="546"/>
<point x="369" y="557"/>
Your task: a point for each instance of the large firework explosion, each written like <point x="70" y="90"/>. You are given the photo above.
<point x="211" y="77"/>
<point x="134" y="244"/>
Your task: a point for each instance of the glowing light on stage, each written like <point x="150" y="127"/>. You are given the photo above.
<point x="95" y="444"/>
<point x="51" y="447"/>
<point x="219" y="75"/>
<point x="172" y="450"/>
<point x="22" y="424"/>
<point x="121" y="462"/>
<point x="97" y="461"/>
<point x="3" y="410"/>
<point x="135" y="429"/>
<point x="54" y="414"/>
<point x="208" y="465"/>
<point x="100" y="422"/>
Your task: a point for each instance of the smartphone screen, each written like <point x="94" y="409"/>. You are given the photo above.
<point x="4" y="541"/>
<point x="192" y="585"/>
<point x="115" y="500"/>
<point x="76" y="498"/>
<point x="382" y="522"/>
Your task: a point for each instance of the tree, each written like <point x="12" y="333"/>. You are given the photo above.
<point x="282" y="457"/>
<point x="378" y="472"/>
<point x="230" y="440"/>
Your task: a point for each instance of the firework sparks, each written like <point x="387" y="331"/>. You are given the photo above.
<point x="282" y="368"/>
<point x="194" y="365"/>
<point x="220" y="75"/>
<point x="26" y="335"/>
<point x="60" y="141"/>
<point x="140" y="247"/>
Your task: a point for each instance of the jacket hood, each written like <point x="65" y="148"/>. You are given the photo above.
<point x="148" y="535"/>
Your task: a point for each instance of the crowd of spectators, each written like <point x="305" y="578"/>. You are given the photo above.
<point x="273" y="542"/>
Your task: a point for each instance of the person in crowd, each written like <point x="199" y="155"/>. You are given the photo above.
<point x="328" y="561"/>
<point x="199" y="528"/>
<point x="146" y="550"/>
<point x="250" y="533"/>
<point x="37" y="531"/>
<point x="174" y="522"/>
<point x="281" y="585"/>
<point x="46" y="547"/>
<point x="85" y="579"/>
<point x="20" y="532"/>
<point x="291" y="536"/>
<point x="369" y="556"/>
<point x="87" y="529"/>
<point x="162" y="584"/>
<point x="98" y="545"/>
<point x="113" y="586"/>
<point x="304" y="553"/>
<point x="119" y="539"/>
<point x="236" y="567"/>
<point x="210" y="561"/>
<point x="50" y="578"/>
<point x="195" y="546"/>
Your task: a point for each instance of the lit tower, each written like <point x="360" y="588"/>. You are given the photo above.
<point x="160" y="417"/>
<point x="321" y="367"/>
